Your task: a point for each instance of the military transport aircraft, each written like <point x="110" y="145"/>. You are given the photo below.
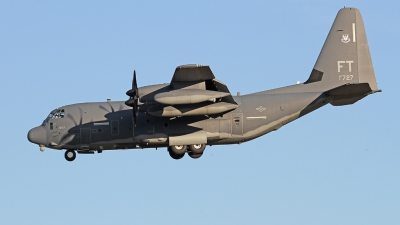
<point x="195" y="109"/>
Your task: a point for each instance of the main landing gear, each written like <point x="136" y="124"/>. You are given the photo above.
<point x="194" y="151"/>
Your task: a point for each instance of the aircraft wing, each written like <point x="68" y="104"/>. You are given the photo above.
<point x="193" y="91"/>
<point x="195" y="76"/>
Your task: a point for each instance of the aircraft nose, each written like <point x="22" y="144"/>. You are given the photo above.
<point x="37" y="135"/>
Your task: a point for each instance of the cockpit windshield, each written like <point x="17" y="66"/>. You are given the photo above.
<point x="55" y="114"/>
<point x="51" y="114"/>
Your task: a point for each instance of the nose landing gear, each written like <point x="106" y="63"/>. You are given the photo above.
<point x="70" y="155"/>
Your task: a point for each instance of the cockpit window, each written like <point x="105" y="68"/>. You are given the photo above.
<point x="55" y="114"/>
<point x="51" y="114"/>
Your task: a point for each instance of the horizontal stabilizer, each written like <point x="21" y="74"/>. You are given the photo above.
<point x="349" y="93"/>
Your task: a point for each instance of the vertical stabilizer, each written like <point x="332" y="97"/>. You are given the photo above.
<point x="345" y="57"/>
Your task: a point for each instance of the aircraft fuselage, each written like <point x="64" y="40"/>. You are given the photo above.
<point x="109" y="125"/>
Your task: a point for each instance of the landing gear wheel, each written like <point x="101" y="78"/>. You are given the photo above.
<point x="195" y="155"/>
<point x="175" y="156"/>
<point x="198" y="148"/>
<point x="70" y="155"/>
<point x="178" y="149"/>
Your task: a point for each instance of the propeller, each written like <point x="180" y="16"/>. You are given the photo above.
<point x="133" y="97"/>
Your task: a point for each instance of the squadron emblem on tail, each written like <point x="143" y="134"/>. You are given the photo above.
<point x="345" y="38"/>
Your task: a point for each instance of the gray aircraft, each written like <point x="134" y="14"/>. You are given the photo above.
<point x="195" y="109"/>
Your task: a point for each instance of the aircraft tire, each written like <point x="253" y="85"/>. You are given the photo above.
<point x="195" y="155"/>
<point x="197" y="149"/>
<point x="178" y="149"/>
<point x="175" y="156"/>
<point x="70" y="155"/>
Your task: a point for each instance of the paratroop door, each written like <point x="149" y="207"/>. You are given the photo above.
<point x="237" y="123"/>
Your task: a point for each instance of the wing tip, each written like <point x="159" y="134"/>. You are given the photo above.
<point x="190" y="66"/>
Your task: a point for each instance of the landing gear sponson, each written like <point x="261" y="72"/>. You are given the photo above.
<point x="175" y="151"/>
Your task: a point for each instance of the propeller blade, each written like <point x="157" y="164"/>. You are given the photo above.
<point x="130" y="102"/>
<point x="134" y="84"/>
<point x="133" y="100"/>
<point x="131" y="93"/>
<point x="134" y="117"/>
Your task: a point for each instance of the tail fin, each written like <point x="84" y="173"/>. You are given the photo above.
<point x="345" y="58"/>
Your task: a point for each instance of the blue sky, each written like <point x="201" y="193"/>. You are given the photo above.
<point x="337" y="165"/>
